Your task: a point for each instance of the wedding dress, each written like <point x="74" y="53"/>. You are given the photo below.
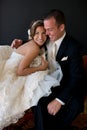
<point x="19" y="93"/>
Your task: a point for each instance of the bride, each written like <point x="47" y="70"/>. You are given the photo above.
<point x="25" y="76"/>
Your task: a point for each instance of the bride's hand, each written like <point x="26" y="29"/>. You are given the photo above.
<point x="44" y="64"/>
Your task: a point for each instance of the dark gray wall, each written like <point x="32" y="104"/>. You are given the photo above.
<point x="16" y="15"/>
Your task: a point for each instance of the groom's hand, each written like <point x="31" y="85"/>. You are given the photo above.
<point x="16" y="43"/>
<point x="53" y="107"/>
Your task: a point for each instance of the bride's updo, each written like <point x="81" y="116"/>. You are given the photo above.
<point x="33" y="26"/>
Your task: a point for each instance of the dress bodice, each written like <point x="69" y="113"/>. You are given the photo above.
<point x="16" y="56"/>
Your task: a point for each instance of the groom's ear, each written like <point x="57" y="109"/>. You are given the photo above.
<point x="62" y="27"/>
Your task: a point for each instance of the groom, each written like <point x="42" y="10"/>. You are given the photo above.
<point x="60" y="108"/>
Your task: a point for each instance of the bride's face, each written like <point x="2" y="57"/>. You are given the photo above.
<point x="40" y="35"/>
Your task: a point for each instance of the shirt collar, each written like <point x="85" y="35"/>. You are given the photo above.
<point x="58" y="42"/>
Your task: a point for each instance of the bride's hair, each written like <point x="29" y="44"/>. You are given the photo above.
<point x="33" y="26"/>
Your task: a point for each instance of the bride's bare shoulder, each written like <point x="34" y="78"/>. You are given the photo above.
<point x="32" y="47"/>
<point x="29" y="48"/>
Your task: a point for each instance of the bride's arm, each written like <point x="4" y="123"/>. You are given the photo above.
<point x="24" y="66"/>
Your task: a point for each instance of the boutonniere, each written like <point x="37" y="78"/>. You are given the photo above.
<point x="64" y="58"/>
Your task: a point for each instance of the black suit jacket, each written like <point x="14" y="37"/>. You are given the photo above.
<point x="70" y="59"/>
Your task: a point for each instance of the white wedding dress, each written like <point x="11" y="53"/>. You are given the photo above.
<point x="19" y="93"/>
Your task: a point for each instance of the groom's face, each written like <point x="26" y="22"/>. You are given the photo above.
<point x="52" y="29"/>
